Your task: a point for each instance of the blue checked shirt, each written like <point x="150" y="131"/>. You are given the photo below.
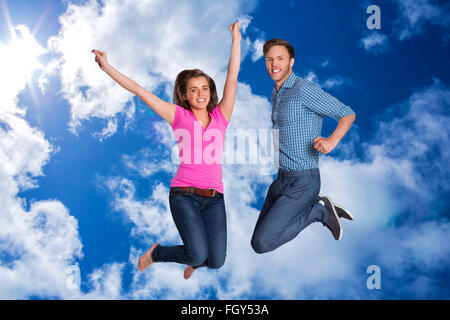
<point x="297" y="112"/>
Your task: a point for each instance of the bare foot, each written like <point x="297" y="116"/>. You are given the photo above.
<point x="146" y="260"/>
<point x="188" y="272"/>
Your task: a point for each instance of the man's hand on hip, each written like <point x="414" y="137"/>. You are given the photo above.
<point x="324" y="145"/>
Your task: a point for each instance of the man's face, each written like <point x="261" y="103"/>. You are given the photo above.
<point x="278" y="64"/>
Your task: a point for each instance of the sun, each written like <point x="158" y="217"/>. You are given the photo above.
<point x="19" y="58"/>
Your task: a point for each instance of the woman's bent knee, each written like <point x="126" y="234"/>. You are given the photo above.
<point x="217" y="263"/>
<point x="197" y="258"/>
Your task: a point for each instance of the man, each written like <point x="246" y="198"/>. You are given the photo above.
<point x="293" y="201"/>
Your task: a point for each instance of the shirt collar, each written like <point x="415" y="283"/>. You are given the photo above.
<point x="288" y="83"/>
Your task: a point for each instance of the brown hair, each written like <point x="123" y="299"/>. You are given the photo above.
<point x="181" y="84"/>
<point x="279" y="42"/>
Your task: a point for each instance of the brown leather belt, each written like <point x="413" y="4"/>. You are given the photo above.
<point x="201" y="192"/>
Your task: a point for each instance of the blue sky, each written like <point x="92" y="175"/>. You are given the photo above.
<point x="85" y="166"/>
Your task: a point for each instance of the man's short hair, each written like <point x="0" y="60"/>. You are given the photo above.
<point x="279" y="42"/>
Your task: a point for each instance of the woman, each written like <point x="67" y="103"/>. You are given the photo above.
<point x="196" y="192"/>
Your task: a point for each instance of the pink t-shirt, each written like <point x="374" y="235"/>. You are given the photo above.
<point x="200" y="150"/>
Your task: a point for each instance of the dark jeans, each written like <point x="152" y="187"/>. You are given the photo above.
<point x="290" y="206"/>
<point x="201" y="222"/>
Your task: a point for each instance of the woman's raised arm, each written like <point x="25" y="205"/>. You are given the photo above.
<point x="164" y="109"/>
<point x="226" y="105"/>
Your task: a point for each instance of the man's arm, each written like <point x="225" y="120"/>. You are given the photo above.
<point x="324" y="104"/>
<point x="326" y="145"/>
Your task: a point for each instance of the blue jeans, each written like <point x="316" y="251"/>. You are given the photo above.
<point x="201" y="222"/>
<point x="290" y="206"/>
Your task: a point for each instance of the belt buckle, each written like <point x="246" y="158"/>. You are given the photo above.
<point x="214" y="192"/>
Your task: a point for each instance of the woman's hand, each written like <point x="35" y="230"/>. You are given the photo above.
<point x="234" y="29"/>
<point x="100" y="58"/>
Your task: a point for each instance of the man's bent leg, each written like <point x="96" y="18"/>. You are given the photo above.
<point x="294" y="209"/>
<point x="268" y="202"/>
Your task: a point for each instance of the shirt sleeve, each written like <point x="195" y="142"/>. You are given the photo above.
<point x="221" y="117"/>
<point x="321" y="102"/>
<point x="178" y="116"/>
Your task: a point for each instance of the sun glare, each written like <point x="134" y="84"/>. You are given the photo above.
<point x="19" y="58"/>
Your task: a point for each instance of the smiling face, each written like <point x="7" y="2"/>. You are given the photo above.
<point x="197" y="93"/>
<point x="278" y="64"/>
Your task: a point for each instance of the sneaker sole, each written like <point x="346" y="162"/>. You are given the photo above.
<point x="340" y="229"/>
<point x="344" y="209"/>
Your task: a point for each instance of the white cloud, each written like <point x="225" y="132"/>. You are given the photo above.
<point x="108" y="131"/>
<point x="325" y="63"/>
<point x="257" y="49"/>
<point x="415" y="14"/>
<point x="149" y="41"/>
<point x="333" y="81"/>
<point x="18" y="61"/>
<point x="147" y="216"/>
<point x="244" y="22"/>
<point x="420" y="134"/>
<point x="336" y="81"/>
<point x="375" y="43"/>
<point x="150" y="161"/>
<point x="39" y="246"/>
<point x="106" y="283"/>
<point x="311" y="76"/>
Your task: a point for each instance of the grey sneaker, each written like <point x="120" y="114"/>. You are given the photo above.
<point x="332" y="222"/>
